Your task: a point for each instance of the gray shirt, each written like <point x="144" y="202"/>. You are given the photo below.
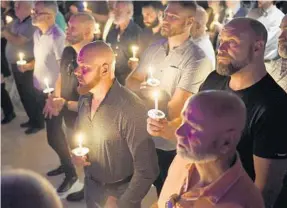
<point x="184" y="67"/>
<point x="118" y="141"/>
<point x="25" y="29"/>
<point x="278" y="70"/>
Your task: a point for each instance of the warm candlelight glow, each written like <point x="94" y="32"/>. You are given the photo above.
<point x="8" y="19"/>
<point x="97" y="28"/>
<point x="85" y="5"/>
<point x="80" y="140"/>
<point x="46" y="81"/>
<point x="21" y="56"/>
<point x="155" y="96"/>
<point x="134" y="50"/>
<point x="150" y="72"/>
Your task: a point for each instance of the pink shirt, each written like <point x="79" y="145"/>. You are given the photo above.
<point x="233" y="189"/>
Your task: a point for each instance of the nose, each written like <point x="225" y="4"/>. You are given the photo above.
<point x="181" y="131"/>
<point x="222" y="47"/>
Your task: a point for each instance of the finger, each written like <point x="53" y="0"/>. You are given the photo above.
<point x="155" y="123"/>
<point x="87" y="163"/>
<point x="154" y="128"/>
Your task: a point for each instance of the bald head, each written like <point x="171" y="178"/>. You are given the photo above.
<point x="251" y="27"/>
<point x="199" y="27"/>
<point x="213" y="122"/>
<point x="282" y="43"/>
<point x="96" y="53"/>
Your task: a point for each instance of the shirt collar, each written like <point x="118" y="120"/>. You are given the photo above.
<point x="24" y="20"/>
<point x="215" y="191"/>
<point x="50" y="30"/>
<point x="179" y="49"/>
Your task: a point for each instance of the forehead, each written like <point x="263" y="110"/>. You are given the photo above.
<point x="74" y="21"/>
<point x="39" y="6"/>
<point x="174" y="8"/>
<point x="238" y="31"/>
<point x="148" y="9"/>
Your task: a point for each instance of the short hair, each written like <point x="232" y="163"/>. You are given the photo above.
<point x="189" y="5"/>
<point x="52" y="5"/>
<point x="87" y="18"/>
<point x="156" y="5"/>
<point x="259" y="29"/>
<point x="130" y="6"/>
<point x="24" y="188"/>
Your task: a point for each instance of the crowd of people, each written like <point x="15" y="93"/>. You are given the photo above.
<point x="188" y="96"/>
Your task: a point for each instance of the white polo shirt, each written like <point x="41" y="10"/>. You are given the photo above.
<point x="271" y="19"/>
<point x="48" y="49"/>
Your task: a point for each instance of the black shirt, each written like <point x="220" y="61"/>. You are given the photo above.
<point x="69" y="82"/>
<point x="121" y="45"/>
<point x="265" y="133"/>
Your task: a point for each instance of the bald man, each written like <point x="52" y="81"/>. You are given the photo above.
<point x="200" y="37"/>
<point x="64" y="103"/>
<point x="240" y="69"/>
<point x="122" y="162"/>
<point x="207" y="172"/>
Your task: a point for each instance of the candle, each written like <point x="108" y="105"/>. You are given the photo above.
<point x="8" y="19"/>
<point x="46" y="83"/>
<point x="97" y="29"/>
<point x="134" y="50"/>
<point x="80" y="150"/>
<point x="155" y="95"/>
<point x="48" y="89"/>
<point x="21" y="61"/>
<point x="150" y="73"/>
<point x="85" y="5"/>
<point x="151" y="81"/>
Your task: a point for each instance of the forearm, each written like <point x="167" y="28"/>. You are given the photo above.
<point x="269" y="194"/>
<point x="13" y="38"/>
<point x="73" y="106"/>
<point x="57" y="91"/>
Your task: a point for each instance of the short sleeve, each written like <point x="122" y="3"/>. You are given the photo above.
<point x="194" y="73"/>
<point x="28" y="31"/>
<point x="59" y="45"/>
<point x="270" y="135"/>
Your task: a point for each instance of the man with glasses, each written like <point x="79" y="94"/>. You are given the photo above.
<point x="19" y="37"/>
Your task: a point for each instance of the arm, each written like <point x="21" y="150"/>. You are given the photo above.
<point x="144" y="156"/>
<point x="15" y="38"/>
<point x="57" y="91"/>
<point x="270" y="152"/>
<point x="73" y="106"/>
<point x="269" y="177"/>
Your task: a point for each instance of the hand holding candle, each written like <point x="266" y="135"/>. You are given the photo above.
<point x="151" y="81"/>
<point x="134" y="50"/>
<point x="21" y="61"/>
<point x="80" y="150"/>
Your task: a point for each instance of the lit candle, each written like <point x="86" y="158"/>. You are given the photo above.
<point x="97" y="29"/>
<point x="151" y="81"/>
<point x="80" y="150"/>
<point x="8" y="19"/>
<point x="85" y="5"/>
<point x="46" y="83"/>
<point x="150" y="73"/>
<point x="21" y="61"/>
<point x="155" y="95"/>
<point x="134" y="49"/>
<point x="48" y="89"/>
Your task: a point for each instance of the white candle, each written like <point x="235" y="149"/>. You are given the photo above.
<point x="155" y="95"/>
<point x="8" y="19"/>
<point x="134" y="50"/>
<point x="47" y="83"/>
<point x="80" y="140"/>
<point x="150" y="73"/>
<point x="21" y="61"/>
<point x="97" y="29"/>
<point x="85" y="5"/>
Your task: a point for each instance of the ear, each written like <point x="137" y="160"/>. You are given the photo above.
<point x="104" y="69"/>
<point x="259" y="45"/>
<point x="227" y="142"/>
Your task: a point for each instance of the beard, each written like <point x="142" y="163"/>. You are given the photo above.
<point x="195" y="156"/>
<point x="282" y="50"/>
<point x="72" y="40"/>
<point x="153" y="24"/>
<point x="169" y="31"/>
<point x="83" y="89"/>
<point x="231" y="68"/>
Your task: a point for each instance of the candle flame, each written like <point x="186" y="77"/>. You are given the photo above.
<point x="80" y="139"/>
<point x="46" y="81"/>
<point x="21" y="56"/>
<point x="135" y="48"/>
<point x="85" y="5"/>
<point x="8" y="19"/>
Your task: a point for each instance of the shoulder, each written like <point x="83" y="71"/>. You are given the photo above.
<point x="69" y="50"/>
<point x="57" y="34"/>
<point x="213" y="81"/>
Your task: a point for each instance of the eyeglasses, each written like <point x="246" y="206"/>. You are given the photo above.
<point x="36" y="13"/>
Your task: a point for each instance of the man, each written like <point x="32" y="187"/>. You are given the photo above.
<point x="180" y="65"/>
<point x="122" y="162"/>
<point x="152" y="12"/>
<point x="24" y="188"/>
<point x="200" y="37"/>
<point x="122" y="36"/>
<point x="207" y="172"/>
<point x="278" y="68"/>
<point x="64" y="103"/>
<point x="270" y="16"/>
<point x="20" y="40"/>
<point x="241" y="69"/>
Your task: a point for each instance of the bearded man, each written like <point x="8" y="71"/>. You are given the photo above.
<point x="122" y="162"/>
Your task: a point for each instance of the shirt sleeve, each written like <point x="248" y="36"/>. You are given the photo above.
<point x="270" y="136"/>
<point x="144" y="156"/>
<point x="28" y="32"/>
<point x="58" y="46"/>
<point x="194" y="72"/>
